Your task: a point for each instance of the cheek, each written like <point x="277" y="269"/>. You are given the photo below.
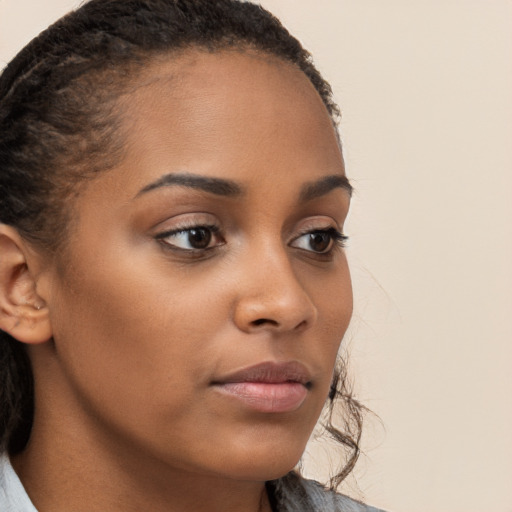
<point x="131" y="342"/>
<point x="335" y="313"/>
<point x="333" y="297"/>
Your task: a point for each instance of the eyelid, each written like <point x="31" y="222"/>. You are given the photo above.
<point x="314" y="223"/>
<point x="338" y="238"/>
<point x="183" y="221"/>
<point x="182" y="229"/>
<point x="187" y="226"/>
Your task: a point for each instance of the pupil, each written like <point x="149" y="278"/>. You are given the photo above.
<point x="199" y="238"/>
<point x="319" y="242"/>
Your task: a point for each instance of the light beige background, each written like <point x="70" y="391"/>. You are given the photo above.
<point x="426" y="92"/>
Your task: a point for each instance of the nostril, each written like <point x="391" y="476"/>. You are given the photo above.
<point x="261" y="321"/>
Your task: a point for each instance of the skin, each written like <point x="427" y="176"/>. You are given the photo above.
<point x="141" y="326"/>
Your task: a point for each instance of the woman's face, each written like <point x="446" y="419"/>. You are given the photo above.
<point x="199" y="306"/>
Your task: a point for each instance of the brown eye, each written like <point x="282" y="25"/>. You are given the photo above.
<point x="196" y="238"/>
<point x="199" y="238"/>
<point x="320" y="241"/>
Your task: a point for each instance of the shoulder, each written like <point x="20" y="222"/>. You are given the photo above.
<point x="294" y="493"/>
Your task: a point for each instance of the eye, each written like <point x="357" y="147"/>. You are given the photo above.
<point x="194" y="238"/>
<point x="321" y="241"/>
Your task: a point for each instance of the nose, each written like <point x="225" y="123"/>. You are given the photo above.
<point x="271" y="297"/>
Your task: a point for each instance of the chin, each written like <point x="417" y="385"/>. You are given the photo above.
<point x="262" y="463"/>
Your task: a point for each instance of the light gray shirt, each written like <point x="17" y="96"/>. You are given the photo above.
<point x="292" y="493"/>
<point x="13" y="497"/>
<point x="296" y="494"/>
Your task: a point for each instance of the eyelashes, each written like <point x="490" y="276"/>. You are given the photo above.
<point x="193" y="238"/>
<point x="199" y="239"/>
<point x="320" y="241"/>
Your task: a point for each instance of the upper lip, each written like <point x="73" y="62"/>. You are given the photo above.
<point x="270" y="373"/>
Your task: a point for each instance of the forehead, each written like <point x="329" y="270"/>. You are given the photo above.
<point x="235" y="74"/>
<point x="229" y="110"/>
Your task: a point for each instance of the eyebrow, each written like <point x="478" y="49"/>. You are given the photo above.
<point x="217" y="186"/>
<point x="229" y="188"/>
<point x="324" y="185"/>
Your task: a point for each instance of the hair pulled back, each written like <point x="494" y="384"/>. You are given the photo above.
<point x="59" y="126"/>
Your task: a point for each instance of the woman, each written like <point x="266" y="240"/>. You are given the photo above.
<point x="173" y="286"/>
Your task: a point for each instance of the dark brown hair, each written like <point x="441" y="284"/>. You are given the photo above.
<point x="59" y="126"/>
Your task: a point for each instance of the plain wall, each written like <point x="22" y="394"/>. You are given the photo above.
<point x="426" y="92"/>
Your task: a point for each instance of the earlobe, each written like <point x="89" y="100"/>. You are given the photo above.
<point x="23" y="313"/>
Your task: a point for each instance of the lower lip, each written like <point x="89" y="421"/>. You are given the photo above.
<point x="265" y="396"/>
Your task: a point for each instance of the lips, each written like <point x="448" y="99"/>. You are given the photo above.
<point x="267" y="387"/>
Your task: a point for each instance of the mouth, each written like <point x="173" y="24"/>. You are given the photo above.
<point x="268" y="387"/>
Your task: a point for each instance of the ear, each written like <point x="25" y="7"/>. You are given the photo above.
<point x="23" y="313"/>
